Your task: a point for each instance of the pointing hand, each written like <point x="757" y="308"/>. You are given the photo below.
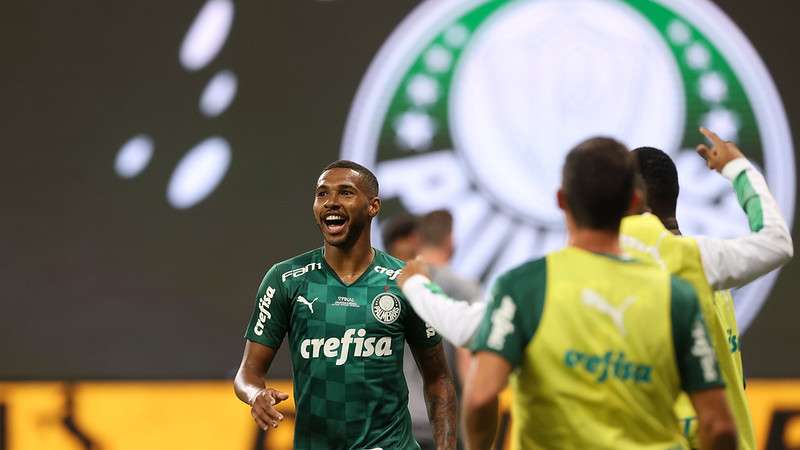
<point x="720" y="153"/>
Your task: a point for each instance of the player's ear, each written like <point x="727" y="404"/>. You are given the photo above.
<point x="374" y="206"/>
<point x="637" y="205"/>
<point x="561" y="199"/>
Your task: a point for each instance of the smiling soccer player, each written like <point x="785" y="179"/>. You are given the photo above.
<point x="347" y="323"/>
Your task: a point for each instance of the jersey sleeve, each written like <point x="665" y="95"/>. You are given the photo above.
<point x="697" y="362"/>
<point x="730" y="263"/>
<point x="269" y="321"/>
<point x="512" y="314"/>
<point x="454" y="319"/>
<point x="418" y="332"/>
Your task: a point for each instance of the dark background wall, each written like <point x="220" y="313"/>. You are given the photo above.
<point x="101" y="277"/>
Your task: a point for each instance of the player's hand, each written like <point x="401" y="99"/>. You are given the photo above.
<point x="413" y="267"/>
<point x="720" y="153"/>
<point x="262" y="408"/>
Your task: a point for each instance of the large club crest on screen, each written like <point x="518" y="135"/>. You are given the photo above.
<point x="472" y="105"/>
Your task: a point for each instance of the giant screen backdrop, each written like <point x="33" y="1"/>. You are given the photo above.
<point x="158" y="157"/>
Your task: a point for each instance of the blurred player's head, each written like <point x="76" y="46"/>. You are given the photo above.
<point x="597" y="187"/>
<point x="436" y="233"/>
<point x="660" y="178"/>
<point x="345" y="201"/>
<point x="401" y="236"/>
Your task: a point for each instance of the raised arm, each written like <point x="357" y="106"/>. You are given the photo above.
<point x="455" y="320"/>
<point x="440" y="394"/>
<point x="730" y="263"/>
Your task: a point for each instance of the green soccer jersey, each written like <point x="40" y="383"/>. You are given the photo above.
<point x="346" y="344"/>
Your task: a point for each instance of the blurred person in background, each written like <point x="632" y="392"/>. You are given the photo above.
<point x="711" y="265"/>
<point x="707" y="263"/>
<point x="431" y="238"/>
<point x="597" y="345"/>
<point x="582" y="333"/>
<point x="437" y="250"/>
<point x="401" y="240"/>
<point x="401" y="236"/>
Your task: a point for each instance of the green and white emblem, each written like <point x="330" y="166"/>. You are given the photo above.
<point x="386" y="308"/>
<point x="472" y="105"/>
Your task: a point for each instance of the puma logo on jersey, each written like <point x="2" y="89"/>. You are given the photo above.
<point x="596" y="301"/>
<point x="310" y="304"/>
<point x="632" y="244"/>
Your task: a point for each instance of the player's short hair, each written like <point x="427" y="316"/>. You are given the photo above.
<point x="398" y="227"/>
<point x="660" y="177"/>
<point x="598" y="179"/>
<point x="435" y="227"/>
<point x="370" y="181"/>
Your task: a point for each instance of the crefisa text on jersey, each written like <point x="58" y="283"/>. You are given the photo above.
<point x="263" y="310"/>
<point x="334" y="347"/>
<point x="391" y="273"/>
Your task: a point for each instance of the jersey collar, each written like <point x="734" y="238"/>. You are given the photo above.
<point x="335" y="276"/>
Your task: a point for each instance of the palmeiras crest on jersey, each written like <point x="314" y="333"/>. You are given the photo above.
<point x="386" y="308"/>
<point x="471" y="105"/>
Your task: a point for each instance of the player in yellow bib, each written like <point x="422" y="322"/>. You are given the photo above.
<point x="600" y="345"/>
<point x="706" y="263"/>
<point x="709" y="264"/>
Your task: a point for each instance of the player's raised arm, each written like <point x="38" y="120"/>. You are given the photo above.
<point x="455" y="320"/>
<point x="730" y="263"/>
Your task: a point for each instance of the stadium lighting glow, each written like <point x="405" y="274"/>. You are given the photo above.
<point x="199" y="172"/>
<point x="207" y="34"/>
<point x="134" y="156"/>
<point x="218" y="94"/>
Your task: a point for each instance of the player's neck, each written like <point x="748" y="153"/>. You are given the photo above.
<point x="434" y="256"/>
<point x="671" y="224"/>
<point x="667" y="218"/>
<point x="596" y="241"/>
<point x="350" y="262"/>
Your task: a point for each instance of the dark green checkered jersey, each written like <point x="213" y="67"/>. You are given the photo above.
<point x="346" y="344"/>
